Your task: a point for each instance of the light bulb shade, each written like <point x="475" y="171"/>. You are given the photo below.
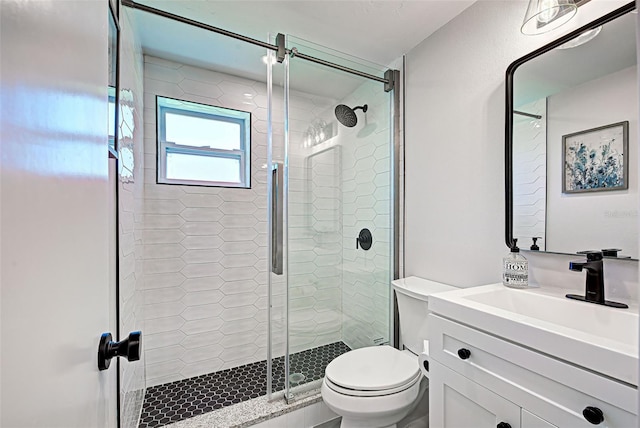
<point x="546" y="15"/>
<point x="583" y="38"/>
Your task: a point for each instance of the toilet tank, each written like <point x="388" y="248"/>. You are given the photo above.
<point x="413" y="297"/>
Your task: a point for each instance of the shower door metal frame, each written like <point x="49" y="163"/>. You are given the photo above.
<point x="293" y="52"/>
<point x="285" y="215"/>
<point x="270" y="220"/>
<point x="397" y="109"/>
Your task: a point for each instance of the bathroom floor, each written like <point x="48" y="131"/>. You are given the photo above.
<point x="175" y="401"/>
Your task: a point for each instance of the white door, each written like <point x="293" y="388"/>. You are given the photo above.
<point x="54" y="206"/>
<point x="457" y="402"/>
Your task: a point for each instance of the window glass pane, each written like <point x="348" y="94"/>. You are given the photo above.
<point x="182" y="166"/>
<point x="202" y="132"/>
<point x="203" y="143"/>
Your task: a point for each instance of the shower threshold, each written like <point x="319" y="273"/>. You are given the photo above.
<point x="224" y="390"/>
<point x="247" y="413"/>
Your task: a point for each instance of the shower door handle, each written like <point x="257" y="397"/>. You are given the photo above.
<point x="277" y="220"/>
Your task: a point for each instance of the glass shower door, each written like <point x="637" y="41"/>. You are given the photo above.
<point x="277" y="242"/>
<point x="339" y="184"/>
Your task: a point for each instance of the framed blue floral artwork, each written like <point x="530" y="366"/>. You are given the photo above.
<point x="596" y="159"/>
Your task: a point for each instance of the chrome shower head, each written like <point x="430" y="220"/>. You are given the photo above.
<point x="347" y="115"/>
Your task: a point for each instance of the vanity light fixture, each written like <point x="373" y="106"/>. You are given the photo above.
<point x="583" y="38"/>
<point x="546" y="15"/>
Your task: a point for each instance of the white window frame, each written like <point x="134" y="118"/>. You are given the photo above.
<point x="166" y="105"/>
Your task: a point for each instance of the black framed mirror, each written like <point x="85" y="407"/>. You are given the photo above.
<point x="571" y="146"/>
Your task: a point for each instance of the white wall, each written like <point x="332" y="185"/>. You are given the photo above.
<point x="592" y="221"/>
<point x="455" y="140"/>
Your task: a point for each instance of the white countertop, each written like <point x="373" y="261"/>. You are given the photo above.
<point x="596" y="337"/>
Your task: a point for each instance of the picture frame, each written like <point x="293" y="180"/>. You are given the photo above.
<point x="596" y="159"/>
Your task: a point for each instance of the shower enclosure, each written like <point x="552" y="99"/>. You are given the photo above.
<point x="333" y="294"/>
<point x="252" y="291"/>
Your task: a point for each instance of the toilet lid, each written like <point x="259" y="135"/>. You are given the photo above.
<point x="375" y="368"/>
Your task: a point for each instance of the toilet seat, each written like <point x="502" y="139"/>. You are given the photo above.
<point x="372" y="371"/>
<point x="365" y="393"/>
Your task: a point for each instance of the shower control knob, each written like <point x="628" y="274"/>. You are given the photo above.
<point x="593" y="415"/>
<point x="364" y="239"/>
<point x="129" y="348"/>
<point x="464" y="353"/>
<point x="503" y="425"/>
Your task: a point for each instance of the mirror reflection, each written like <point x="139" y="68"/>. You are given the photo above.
<point x="113" y="75"/>
<point x="574" y="144"/>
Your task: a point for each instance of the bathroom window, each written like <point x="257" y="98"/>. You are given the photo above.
<point x="203" y="145"/>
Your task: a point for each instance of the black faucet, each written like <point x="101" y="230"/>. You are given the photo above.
<point x="594" y="289"/>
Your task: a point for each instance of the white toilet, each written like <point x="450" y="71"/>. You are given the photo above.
<point x="379" y="386"/>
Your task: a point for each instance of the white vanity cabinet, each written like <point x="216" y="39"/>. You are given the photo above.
<point x="479" y="380"/>
<point x="529" y="420"/>
<point x="461" y="403"/>
<point x="456" y="401"/>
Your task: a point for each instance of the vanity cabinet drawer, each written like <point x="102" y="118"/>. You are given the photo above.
<point x="457" y="402"/>
<point x="548" y="387"/>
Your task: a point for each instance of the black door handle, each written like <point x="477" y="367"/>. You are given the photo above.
<point x="593" y="415"/>
<point x="464" y="353"/>
<point x="129" y="348"/>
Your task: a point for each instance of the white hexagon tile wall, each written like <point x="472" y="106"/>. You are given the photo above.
<point x="366" y="198"/>
<point x="205" y="248"/>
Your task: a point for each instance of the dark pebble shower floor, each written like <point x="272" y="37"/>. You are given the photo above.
<point x="175" y="401"/>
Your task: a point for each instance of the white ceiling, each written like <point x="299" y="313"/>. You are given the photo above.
<point x="379" y="32"/>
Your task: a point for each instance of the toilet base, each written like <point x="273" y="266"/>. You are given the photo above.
<point x="414" y="416"/>
<point x="419" y="417"/>
<point x="361" y="424"/>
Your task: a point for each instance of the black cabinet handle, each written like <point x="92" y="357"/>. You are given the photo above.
<point x="593" y="415"/>
<point x="464" y="353"/>
<point x="129" y="348"/>
<point x="503" y="425"/>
